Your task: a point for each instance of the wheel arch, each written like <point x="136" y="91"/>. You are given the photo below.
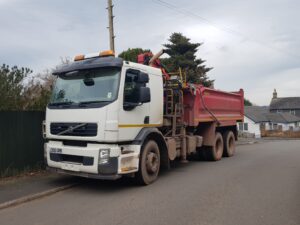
<point x="229" y="128"/>
<point x="154" y="134"/>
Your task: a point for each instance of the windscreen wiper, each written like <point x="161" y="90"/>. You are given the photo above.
<point x="83" y="104"/>
<point x="61" y="103"/>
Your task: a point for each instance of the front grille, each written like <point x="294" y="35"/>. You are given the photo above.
<point x="74" y="129"/>
<point x="86" y="161"/>
<point x="75" y="143"/>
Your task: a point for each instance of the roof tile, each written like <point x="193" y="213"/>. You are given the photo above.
<point x="260" y="114"/>
<point x="285" y="103"/>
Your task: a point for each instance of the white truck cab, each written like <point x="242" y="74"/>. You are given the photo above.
<point x="108" y="118"/>
<point x="101" y="111"/>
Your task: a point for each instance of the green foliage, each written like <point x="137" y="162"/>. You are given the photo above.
<point x="37" y="92"/>
<point x="247" y="102"/>
<point x="183" y="54"/>
<point x="12" y="86"/>
<point x="19" y="91"/>
<point x="40" y="102"/>
<point x="132" y="53"/>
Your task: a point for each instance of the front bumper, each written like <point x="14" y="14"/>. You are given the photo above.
<point x="86" y="175"/>
<point x="84" y="160"/>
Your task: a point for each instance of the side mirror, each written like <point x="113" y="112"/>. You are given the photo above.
<point x="144" y="95"/>
<point x="142" y="78"/>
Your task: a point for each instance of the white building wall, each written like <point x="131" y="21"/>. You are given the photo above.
<point x="253" y="128"/>
<point x="285" y="126"/>
<point x="268" y="126"/>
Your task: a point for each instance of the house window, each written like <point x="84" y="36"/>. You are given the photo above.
<point x="293" y="112"/>
<point x="272" y="126"/>
<point x="246" y="126"/>
<point x="241" y="126"/>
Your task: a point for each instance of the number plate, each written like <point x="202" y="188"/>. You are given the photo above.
<point x="56" y="150"/>
<point x="71" y="167"/>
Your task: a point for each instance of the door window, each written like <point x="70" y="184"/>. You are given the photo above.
<point x="131" y="87"/>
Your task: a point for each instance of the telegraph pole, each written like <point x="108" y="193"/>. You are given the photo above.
<point x="111" y="25"/>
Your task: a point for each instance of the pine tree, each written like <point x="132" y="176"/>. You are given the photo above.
<point x="183" y="55"/>
<point x="247" y="102"/>
<point x="131" y="54"/>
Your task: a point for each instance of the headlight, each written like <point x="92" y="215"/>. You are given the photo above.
<point x="103" y="156"/>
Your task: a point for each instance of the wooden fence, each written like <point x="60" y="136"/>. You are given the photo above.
<point x="280" y="133"/>
<point x="21" y="141"/>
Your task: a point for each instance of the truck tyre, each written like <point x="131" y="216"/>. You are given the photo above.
<point x="149" y="163"/>
<point x="229" y="144"/>
<point x="215" y="152"/>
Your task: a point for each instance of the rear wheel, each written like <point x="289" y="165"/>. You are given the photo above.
<point x="149" y="164"/>
<point x="215" y="152"/>
<point x="229" y="143"/>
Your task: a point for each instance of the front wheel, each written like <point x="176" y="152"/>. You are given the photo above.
<point x="149" y="163"/>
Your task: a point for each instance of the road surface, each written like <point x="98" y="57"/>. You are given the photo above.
<point x="260" y="185"/>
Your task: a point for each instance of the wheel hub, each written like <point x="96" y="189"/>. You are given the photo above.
<point x="152" y="162"/>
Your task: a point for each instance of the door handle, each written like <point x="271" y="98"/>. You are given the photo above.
<point x="146" y="120"/>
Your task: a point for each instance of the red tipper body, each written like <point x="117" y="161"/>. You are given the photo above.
<point x="202" y="104"/>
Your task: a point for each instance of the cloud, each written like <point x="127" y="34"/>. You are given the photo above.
<point x="260" y="55"/>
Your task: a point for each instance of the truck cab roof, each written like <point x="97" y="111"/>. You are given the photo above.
<point x="91" y="63"/>
<point x="100" y="62"/>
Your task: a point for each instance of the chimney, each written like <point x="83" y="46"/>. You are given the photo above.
<point x="274" y="94"/>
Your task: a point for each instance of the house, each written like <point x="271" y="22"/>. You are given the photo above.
<point x="283" y="114"/>
<point x="281" y="121"/>
<point x="254" y="117"/>
<point x="285" y="105"/>
<point x="259" y="117"/>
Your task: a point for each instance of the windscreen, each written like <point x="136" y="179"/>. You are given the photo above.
<point x="86" y="87"/>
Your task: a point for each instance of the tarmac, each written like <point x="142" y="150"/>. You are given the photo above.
<point x="259" y="185"/>
<point x="18" y="190"/>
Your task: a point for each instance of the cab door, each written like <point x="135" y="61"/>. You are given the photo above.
<point x="133" y="115"/>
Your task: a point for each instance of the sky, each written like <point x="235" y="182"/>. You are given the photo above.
<point x="253" y="45"/>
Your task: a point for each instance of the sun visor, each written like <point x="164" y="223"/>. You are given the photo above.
<point x="87" y="64"/>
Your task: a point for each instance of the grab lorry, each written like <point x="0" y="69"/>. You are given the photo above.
<point x="109" y="118"/>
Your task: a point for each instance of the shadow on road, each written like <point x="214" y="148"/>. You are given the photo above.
<point x="125" y="183"/>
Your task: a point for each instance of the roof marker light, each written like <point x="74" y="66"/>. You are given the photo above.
<point x="92" y="55"/>
<point x="107" y="53"/>
<point x="79" y="57"/>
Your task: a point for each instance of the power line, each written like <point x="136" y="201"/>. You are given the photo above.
<point x="225" y="29"/>
<point x="191" y="14"/>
